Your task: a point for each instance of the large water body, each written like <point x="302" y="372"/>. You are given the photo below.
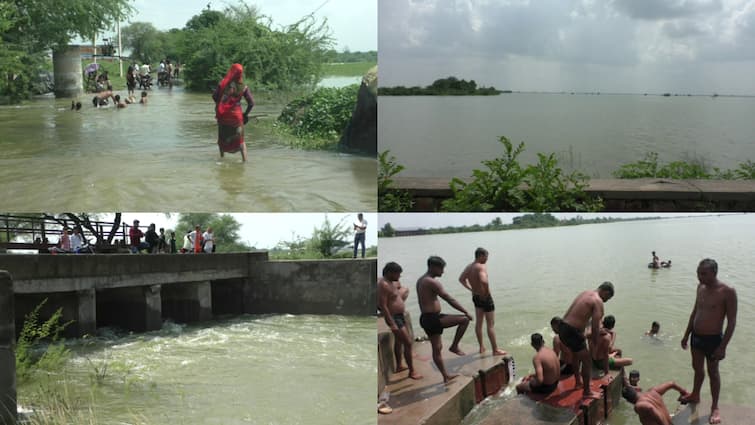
<point x="449" y="136"/>
<point x="164" y="156"/>
<point x="535" y="274"/>
<point x="279" y="369"/>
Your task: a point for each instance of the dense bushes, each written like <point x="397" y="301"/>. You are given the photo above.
<point x="325" y="113"/>
<point x="273" y="59"/>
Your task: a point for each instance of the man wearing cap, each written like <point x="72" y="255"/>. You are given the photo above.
<point x="135" y="235"/>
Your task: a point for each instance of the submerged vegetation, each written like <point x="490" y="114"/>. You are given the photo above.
<point x="695" y="169"/>
<point x="450" y="86"/>
<point x="318" y="119"/>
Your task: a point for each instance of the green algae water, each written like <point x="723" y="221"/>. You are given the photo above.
<point x="535" y="274"/>
<point x="164" y="156"/>
<point x="278" y="369"/>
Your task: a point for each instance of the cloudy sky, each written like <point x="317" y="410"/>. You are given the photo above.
<point x="685" y="46"/>
<point x="353" y="24"/>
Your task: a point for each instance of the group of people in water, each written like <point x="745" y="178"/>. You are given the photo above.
<point x="584" y="337"/>
<point x="656" y="263"/>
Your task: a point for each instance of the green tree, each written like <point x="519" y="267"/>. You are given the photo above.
<point x="283" y="58"/>
<point x="144" y="40"/>
<point x="225" y="228"/>
<point x="387" y="231"/>
<point x="328" y="238"/>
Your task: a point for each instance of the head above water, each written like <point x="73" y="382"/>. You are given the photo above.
<point x="609" y="322"/>
<point x="655" y="327"/>
<point x="536" y="340"/>
<point x="605" y="290"/>
<point x="391" y="269"/>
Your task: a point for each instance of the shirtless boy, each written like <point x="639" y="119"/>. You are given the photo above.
<point x="391" y="297"/>
<point x="649" y="405"/>
<point x="475" y="278"/>
<point x="715" y="302"/>
<point x="432" y="321"/>
<point x="547" y="370"/>
<point x="603" y="357"/>
<point x="588" y="306"/>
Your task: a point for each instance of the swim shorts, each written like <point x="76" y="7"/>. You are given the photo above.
<point x="572" y="337"/>
<point x="706" y="343"/>
<point x="544" y="388"/>
<point x="399" y="319"/>
<point x="599" y="363"/>
<point x="485" y="303"/>
<point x="430" y="322"/>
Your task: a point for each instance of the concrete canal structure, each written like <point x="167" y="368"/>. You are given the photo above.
<point x="138" y="292"/>
<point x="7" y="356"/>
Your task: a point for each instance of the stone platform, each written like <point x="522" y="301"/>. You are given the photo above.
<point x="431" y="402"/>
<point x="698" y="414"/>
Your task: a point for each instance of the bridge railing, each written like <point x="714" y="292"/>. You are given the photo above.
<point x="40" y="233"/>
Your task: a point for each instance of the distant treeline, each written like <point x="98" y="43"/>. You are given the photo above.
<point x="528" y="221"/>
<point x="450" y="86"/>
<point x="350" y="57"/>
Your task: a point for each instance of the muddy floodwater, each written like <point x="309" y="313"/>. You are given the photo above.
<point x="163" y="156"/>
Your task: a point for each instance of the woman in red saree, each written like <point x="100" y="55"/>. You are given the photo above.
<point x="228" y="111"/>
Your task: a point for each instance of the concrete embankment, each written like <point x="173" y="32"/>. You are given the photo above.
<point x="621" y="195"/>
<point x="429" y="401"/>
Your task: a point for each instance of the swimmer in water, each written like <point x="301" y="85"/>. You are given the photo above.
<point x="655" y="327"/>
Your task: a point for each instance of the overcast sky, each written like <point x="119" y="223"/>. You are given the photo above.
<point x="353" y="24"/>
<point x="685" y="46"/>
<point x="265" y="230"/>
<point x="435" y="220"/>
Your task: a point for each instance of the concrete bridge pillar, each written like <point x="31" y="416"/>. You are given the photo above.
<point x="7" y="354"/>
<point x="66" y="65"/>
<point x="136" y="308"/>
<point x="86" y="320"/>
<point x="187" y="302"/>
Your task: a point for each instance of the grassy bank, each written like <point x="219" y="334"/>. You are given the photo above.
<point x="353" y="69"/>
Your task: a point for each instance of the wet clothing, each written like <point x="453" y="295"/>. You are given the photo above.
<point x="544" y="388"/>
<point x="599" y="363"/>
<point x="485" y="303"/>
<point x="228" y="114"/>
<point x="430" y="322"/>
<point x="572" y="337"/>
<point x="706" y="343"/>
<point x="400" y="320"/>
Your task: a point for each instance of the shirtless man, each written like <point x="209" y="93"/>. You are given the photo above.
<point x="391" y="297"/>
<point x="432" y="321"/>
<point x="586" y="307"/>
<point x="656" y="261"/>
<point x="649" y="404"/>
<point x="562" y="351"/>
<point x="715" y="301"/>
<point x="547" y="370"/>
<point x="475" y="278"/>
<point x="603" y="357"/>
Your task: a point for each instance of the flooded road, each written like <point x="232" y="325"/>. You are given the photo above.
<point x="163" y="156"/>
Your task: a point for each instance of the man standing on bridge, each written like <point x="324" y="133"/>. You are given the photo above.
<point x="588" y="306"/>
<point x="475" y="278"/>
<point x="432" y="321"/>
<point x="715" y="302"/>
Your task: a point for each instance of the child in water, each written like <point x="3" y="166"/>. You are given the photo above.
<point x="655" y="327"/>
<point x="143" y="100"/>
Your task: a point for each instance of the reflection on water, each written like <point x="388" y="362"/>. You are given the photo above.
<point x="162" y="157"/>
<point x="253" y="369"/>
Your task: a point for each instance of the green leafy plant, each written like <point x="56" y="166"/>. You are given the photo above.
<point x="390" y="198"/>
<point x="506" y="185"/>
<point x="649" y="167"/>
<point x="39" y="345"/>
